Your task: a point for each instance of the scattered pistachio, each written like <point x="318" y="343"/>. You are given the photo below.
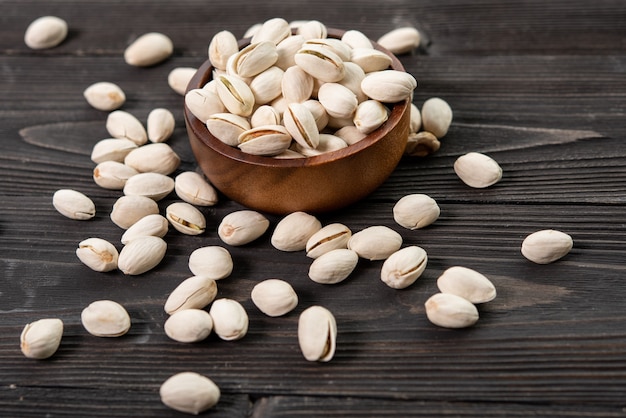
<point x="196" y="292"/>
<point x="546" y="246"/>
<point x="230" y="320"/>
<point x="477" y="170"/>
<point x="105" y="318"/>
<point x="188" y="325"/>
<point x="213" y="262"/>
<point x="141" y="255"/>
<point x="317" y="334"/>
<point x="45" y="32"/>
<point x="274" y="297"/>
<point x="41" y="339"/>
<point x="105" y="96"/>
<point x="450" y="311"/>
<point x="189" y="392"/>
<point x="467" y="283"/>
<point x="73" y="204"/>
<point x="98" y="254"/>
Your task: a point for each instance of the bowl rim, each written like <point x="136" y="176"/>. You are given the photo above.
<point x="204" y="74"/>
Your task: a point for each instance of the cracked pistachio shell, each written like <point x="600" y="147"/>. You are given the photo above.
<point x="266" y="86"/>
<point x="466" y="283"/>
<point x="104" y="96"/>
<point x="294" y="230"/>
<point x="334" y="266"/>
<point x="401" y="40"/>
<point x="264" y="115"/>
<point x="328" y="143"/>
<point x="450" y="311"/>
<point x="160" y="125"/>
<point x="317" y="334"/>
<point x="203" y="103"/>
<point x="296" y="85"/>
<point x="153" y="185"/>
<point x="415" y="123"/>
<point x="129" y="209"/>
<point x="421" y="144"/>
<point x="254" y="59"/>
<point x="195" y="292"/>
<point x="546" y="246"/>
<point x="214" y="262"/>
<point x="112" y="175"/>
<point x="188" y="325"/>
<point x="370" y="59"/>
<point x="121" y="124"/>
<point x="178" y="78"/>
<point x="242" y="227"/>
<point x="286" y="51"/>
<point x="340" y="48"/>
<point x="301" y="125"/>
<point x="330" y="237"/>
<point x="230" y="319"/>
<point x="235" y="95"/>
<point x="320" y="62"/>
<point x="265" y="140"/>
<point x="150" y="225"/>
<point x="370" y="115"/>
<point x="477" y="170"/>
<point x="338" y="100"/>
<point x="350" y="134"/>
<point x="375" y="242"/>
<point x="402" y="268"/>
<point x="193" y="188"/>
<point x="356" y="39"/>
<point x="318" y="111"/>
<point x="41" y="339"/>
<point x="98" y="254"/>
<point x="141" y="254"/>
<point x="105" y="318"/>
<point x="274" y="297"/>
<point x="185" y="218"/>
<point x="273" y="30"/>
<point x="149" y="49"/>
<point x="73" y="204"/>
<point x="388" y="86"/>
<point x="189" y="392"/>
<point x="156" y="158"/>
<point x="436" y="116"/>
<point x="222" y="46"/>
<point x="112" y="149"/>
<point x="312" y="29"/>
<point x="227" y="127"/>
<point x="45" y="32"/>
<point x="415" y="211"/>
<point x="352" y="80"/>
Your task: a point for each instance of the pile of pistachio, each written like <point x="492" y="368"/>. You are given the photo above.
<point x="137" y="161"/>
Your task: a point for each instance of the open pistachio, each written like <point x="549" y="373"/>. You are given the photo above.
<point x="105" y="96"/>
<point x="300" y="123"/>
<point x="189" y="392"/>
<point x="149" y="49"/>
<point x="320" y="62"/>
<point x="160" y="125"/>
<point x="294" y="230"/>
<point x="274" y="30"/>
<point x="477" y="170"/>
<point x="317" y="334"/>
<point x="185" y="218"/>
<point x="41" y="339"/>
<point x="105" y="318"/>
<point x="370" y="59"/>
<point x="450" y="311"/>
<point x="150" y="225"/>
<point x="45" y="32"/>
<point x="121" y="124"/>
<point x="129" y="209"/>
<point x="222" y="46"/>
<point x="196" y="292"/>
<point x="156" y="158"/>
<point x="153" y="185"/>
<point x="330" y="237"/>
<point x="546" y="246"/>
<point x="338" y="100"/>
<point x="467" y="283"/>
<point x="274" y="297"/>
<point x="242" y="227"/>
<point x="375" y="242"/>
<point x="400" y="40"/>
<point x="194" y="189"/>
<point x="188" y="325"/>
<point x="264" y="115"/>
<point x="436" y="116"/>
<point x="318" y="111"/>
<point x="179" y="77"/>
<point x="370" y="115"/>
<point x="265" y="140"/>
<point x="402" y="268"/>
<point x="388" y="86"/>
<point x="203" y="103"/>
<point x="415" y="211"/>
<point x="214" y="262"/>
<point x="254" y="59"/>
<point x="112" y="174"/>
<point x="112" y="149"/>
<point x="227" y="127"/>
<point x="98" y="254"/>
<point x="73" y="204"/>
<point x="235" y="94"/>
<point x="141" y="255"/>
<point x="334" y="266"/>
<point x="230" y="320"/>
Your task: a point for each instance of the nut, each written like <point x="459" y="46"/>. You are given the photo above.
<point x="264" y="115"/>
<point x="156" y="158"/>
<point x="148" y="49"/>
<point x="185" y="218"/>
<point x="265" y="140"/>
<point x="330" y="237"/>
<point x="320" y="62"/>
<point x="286" y="50"/>
<point x="141" y="255"/>
<point x="230" y="320"/>
<point x="401" y="40"/>
<point x="105" y="318"/>
<point x="129" y="209"/>
<point x="105" y="96"/>
<point x="194" y="189"/>
<point x="356" y="39"/>
<point x="274" y="297"/>
<point x="41" y="339"/>
<point x="203" y="103"/>
<point x="402" y="268"/>
<point x="188" y="325"/>
<point x="477" y="170"/>
<point x="196" y="292"/>
<point x="369" y="115"/>
<point x="375" y="242"/>
<point x="466" y="283"/>
<point x="369" y="59"/>
<point x="123" y="125"/>
<point x="296" y="85"/>
<point x="160" y="125"/>
<point x="45" y="32"/>
<point x="242" y="227"/>
<point x="178" y="79"/>
<point x="338" y="100"/>
<point x="421" y="144"/>
<point x="150" y="225"/>
<point x="98" y="254"/>
<point x="546" y="246"/>
<point x="153" y="185"/>
<point x="227" y="127"/>
<point x="300" y="123"/>
<point x="436" y="116"/>
<point x="189" y="392"/>
<point x="334" y="266"/>
<point x="415" y="211"/>
<point x="213" y="262"/>
<point x="415" y="122"/>
<point x="73" y="204"/>
<point x="274" y="30"/>
<point x="328" y="143"/>
<point x="254" y="59"/>
<point x="112" y="149"/>
<point x="294" y="230"/>
<point x="235" y="94"/>
<point x="112" y="175"/>
<point x="450" y="311"/>
<point x="317" y="334"/>
<point x="388" y="86"/>
<point x="222" y="46"/>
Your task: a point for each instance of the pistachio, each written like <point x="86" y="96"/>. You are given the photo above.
<point x="415" y="122"/>
<point x="388" y="86"/>
<point x="352" y="79"/>
<point x="189" y="392"/>
<point x="294" y="230"/>
<point x="317" y="334"/>
<point x="213" y="262"/>
<point x="148" y="49"/>
<point x="153" y="185"/>
<point x="300" y="124"/>
<point x="401" y="40"/>
<point x="188" y="325"/>
<point x="105" y="318"/>
<point x="242" y="227"/>
<point x="334" y="266"/>
<point x="286" y="51"/>
<point x="375" y="242"/>
<point x="546" y="246"/>
<point x="312" y="29"/>
<point x="160" y="125"/>
<point x="227" y="127"/>
<point x="320" y="63"/>
<point x="98" y="254"/>
<point x="402" y="268"/>
<point x="121" y="124"/>
<point x="112" y="174"/>
<point x="296" y="85"/>
<point x="129" y="209"/>
<point x="450" y="311"/>
<point x="195" y="292"/>
<point x="41" y="339"/>
<point x="264" y="115"/>
<point x="193" y="188"/>
<point x="350" y="134"/>
<point x="235" y="94"/>
<point x="185" y="218"/>
<point x="156" y="158"/>
<point x="415" y="211"/>
<point x="421" y="144"/>
<point x="222" y="46"/>
<point x="266" y="86"/>
<point x="150" y="225"/>
<point x="45" y="32"/>
<point x="370" y="115"/>
<point x="265" y="140"/>
<point x="338" y="123"/>
<point x="112" y="149"/>
<point x="436" y="116"/>
<point x="338" y="100"/>
<point x="274" y="297"/>
<point x="273" y="30"/>
<point x="477" y="170"/>
<point x="105" y="96"/>
<point x="330" y="237"/>
<point x="203" y="103"/>
<point x="370" y="59"/>
<point x="287" y="154"/>
<point x="328" y="143"/>
<point x="73" y="204"/>
<point x="254" y="59"/>
<point x="318" y="111"/>
<point x="141" y="254"/>
<point x="466" y="283"/>
<point x="179" y="77"/>
<point x="249" y="33"/>
<point x="230" y="320"/>
<point x="356" y="39"/>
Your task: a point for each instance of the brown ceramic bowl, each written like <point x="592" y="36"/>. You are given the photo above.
<point x="314" y="184"/>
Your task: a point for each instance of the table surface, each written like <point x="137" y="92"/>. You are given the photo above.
<point x="539" y="86"/>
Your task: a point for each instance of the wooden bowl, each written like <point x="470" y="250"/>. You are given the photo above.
<point x="314" y="184"/>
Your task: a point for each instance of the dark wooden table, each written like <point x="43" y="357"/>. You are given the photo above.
<point x="538" y="85"/>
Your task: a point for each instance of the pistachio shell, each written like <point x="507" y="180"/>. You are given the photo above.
<point x="415" y="123"/>
<point x="265" y="140"/>
<point x="300" y="123"/>
<point x="235" y="94"/>
<point x="402" y="268"/>
<point x="105" y="318"/>
<point x="334" y="266"/>
<point x="466" y="283"/>
<point x="273" y="30"/>
<point x="356" y="39"/>
<point x="149" y="49"/>
<point x="400" y="40"/>
<point x="254" y="59"/>
<point x="141" y="255"/>
<point x="320" y="62"/>
<point x="477" y="170"/>
<point x="203" y="103"/>
<point x="189" y="392"/>
<point x="227" y="127"/>
<point x="213" y="262"/>
<point x="330" y="237"/>
<point x="294" y="230"/>
<point x="194" y="189"/>
<point x="317" y="334"/>
<point x="319" y="113"/>
<point x="352" y="79"/>
<point x="274" y="297"/>
<point x="415" y="211"/>
<point x="188" y="325"/>
<point x="296" y="85"/>
<point x="156" y="158"/>
<point x="73" y="204"/>
<point x="150" y="225"/>
<point x="129" y="209"/>
<point x="546" y="246"/>
<point x="112" y="174"/>
<point x="121" y="124"/>
<point x="185" y="218"/>
<point x="312" y="29"/>
<point x="338" y="100"/>
<point x="112" y="149"/>
<point x="388" y="86"/>
<point x="222" y="46"/>
<point x="105" y="96"/>
<point x="375" y="242"/>
<point x="153" y="185"/>
<point x="45" y="32"/>
<point x="178" y="78"/>
<point x="436" y="116"/>
<point x="230" y="319"/>
<point x="266" y="86"/>
<point x="195" y="292"/>
<point x="421" y="144"/>
<point x="350" y="134"/>
<point x="450" y="311"/>
<point x="286" y="51"/>
<point x="160" y="125"/>
<point x="370" y="115"/>
<point x="242" y="227"/>
<point x="265" y="115"/>
<point x="41" y="339"/>
<point x="328" y="143"/>
<point x="98" y="254"/>
<point x="370" y="59"/>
